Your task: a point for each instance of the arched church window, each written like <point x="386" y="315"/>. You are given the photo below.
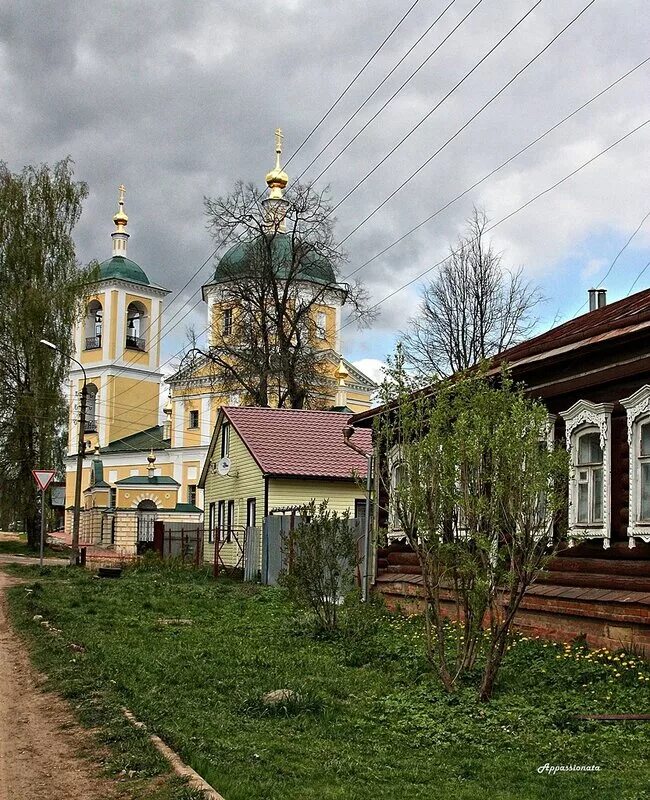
<point x="90" y="425"/>
<point x="136" y="315"/>
<point x="93" y="328"/>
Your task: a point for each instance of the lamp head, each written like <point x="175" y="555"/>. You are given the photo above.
<point x="49" y="344"/>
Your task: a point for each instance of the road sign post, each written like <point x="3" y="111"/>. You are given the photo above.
<point x="43" y="478"/>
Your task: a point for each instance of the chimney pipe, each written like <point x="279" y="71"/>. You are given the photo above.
<point x="597" y="299"/>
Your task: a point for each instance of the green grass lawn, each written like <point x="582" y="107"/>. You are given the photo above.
<point x="371" y="722"/>
<point x="18" y="546"/>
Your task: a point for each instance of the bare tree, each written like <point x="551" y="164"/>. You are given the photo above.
<point x="472" y="310"/>
<point x="279" y="272"/>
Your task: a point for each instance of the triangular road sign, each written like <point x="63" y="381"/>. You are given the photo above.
<point x="43" y="477"/>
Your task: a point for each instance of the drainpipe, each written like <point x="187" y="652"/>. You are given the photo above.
<point x="348" y="433"/>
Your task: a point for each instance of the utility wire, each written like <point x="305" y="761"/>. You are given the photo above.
<point x="507" y="217"/>
<point x="459" y="131"/>
<point x="500" y="167"/>
<point x="348" y="87"/>
<point x="378" y="87"/>
<point x="611" y="266"/>
<point x="438" y="104"/>
<point x="637" y="279"/>
<point x="571" y="174"/>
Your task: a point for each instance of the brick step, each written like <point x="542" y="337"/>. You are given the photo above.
<point x="403" y="558"/>
<point x="407" y="569"/>
<point x="593" y="580"/>
<point x="599" y="566"/>
<point x="621" y="608"/>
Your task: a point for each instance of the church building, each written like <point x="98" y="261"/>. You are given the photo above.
<point x="146" y="443"/>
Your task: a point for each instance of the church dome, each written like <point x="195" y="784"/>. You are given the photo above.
<point x="122" y="268"/>
<point x="314" y="267"/>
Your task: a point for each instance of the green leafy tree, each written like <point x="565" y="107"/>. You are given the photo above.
<point x="41" y="291"/>
<point x="477" y="489"/>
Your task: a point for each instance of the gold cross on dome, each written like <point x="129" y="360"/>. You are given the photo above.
<point x="121" y="189"/>
<point x="278" y="140"/>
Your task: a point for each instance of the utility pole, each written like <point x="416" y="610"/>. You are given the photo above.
<point x="81" y="448"/>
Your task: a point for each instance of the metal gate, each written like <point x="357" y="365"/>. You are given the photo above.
<point x="179" y="540"/>
<point x="252" y="547"/>
<point x="276" y="556"/>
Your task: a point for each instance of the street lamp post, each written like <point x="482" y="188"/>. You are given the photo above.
<point x="81" y="447"/>
<point x="348" y="432"/>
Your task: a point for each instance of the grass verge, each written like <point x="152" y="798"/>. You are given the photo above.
<point x="192" y="658"/>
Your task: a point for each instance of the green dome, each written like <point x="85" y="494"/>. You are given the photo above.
<point x="314" y="267"/>
<point x="122" y="268"/>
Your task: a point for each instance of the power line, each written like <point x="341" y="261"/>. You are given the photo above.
<point x="349" y="86"/>
<point x="508" y="216"/>
<point x="629" y="291"/>
<point x="500" y="221"/>
<point x="437" y="105"/>
<point x="459" y="131"/>
<point x="479" y="1"/>
<point x="381" y="83"/>
<point x="618" y="255"/>
<point x="500" y="167"/>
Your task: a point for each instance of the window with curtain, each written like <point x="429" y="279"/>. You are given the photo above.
<point x="588" y="488"/>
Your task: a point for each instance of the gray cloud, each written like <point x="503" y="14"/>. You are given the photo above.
<point x="179" y="99"/>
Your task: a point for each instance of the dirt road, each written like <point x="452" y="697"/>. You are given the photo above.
<point x="39" y="739"/>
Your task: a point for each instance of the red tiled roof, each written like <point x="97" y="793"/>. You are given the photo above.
<point x="307" y="444"/>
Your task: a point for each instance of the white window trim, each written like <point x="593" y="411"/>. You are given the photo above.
<point x="637" y="407"/>
<point x="548" y="437"/>
<point x="394" y="462"/>
<point x="581" y="415"/>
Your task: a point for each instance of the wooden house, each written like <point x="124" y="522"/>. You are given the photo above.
<point x="266" y="461"/>
<point x="593" y="375"/>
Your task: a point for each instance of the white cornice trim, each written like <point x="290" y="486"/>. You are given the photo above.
<point x="140" y="288"/>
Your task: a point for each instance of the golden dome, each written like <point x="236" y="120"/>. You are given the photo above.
<point x="277" y="178"/>
<point x="120" y="219"/>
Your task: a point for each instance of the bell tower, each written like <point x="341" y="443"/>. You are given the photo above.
<point x="118" y="342"/>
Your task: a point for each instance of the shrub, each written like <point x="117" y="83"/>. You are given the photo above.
<point x="321" y="558"/>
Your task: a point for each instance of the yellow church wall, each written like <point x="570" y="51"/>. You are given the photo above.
<point x="165" y="497"/>
<point x="330" y="326"/>
<point x="112" y="330"/>
<point x="70" y="482"/>
<point x="113" y="474"/>
<point x="191" y="475"/>
<point x="191" y="436"/>
<point x="90" y="357"/>
<point x="135" y="403"/>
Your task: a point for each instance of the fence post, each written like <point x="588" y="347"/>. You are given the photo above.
<point x="215" y="567"/>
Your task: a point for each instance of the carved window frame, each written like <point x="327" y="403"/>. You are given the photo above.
<point x="583" y="415"/>
<point x="637" y="407"/>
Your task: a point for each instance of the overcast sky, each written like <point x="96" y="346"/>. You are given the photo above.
<point x="178" y="99"/>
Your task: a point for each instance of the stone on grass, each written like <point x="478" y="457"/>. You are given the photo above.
<point x="279" y="696"/>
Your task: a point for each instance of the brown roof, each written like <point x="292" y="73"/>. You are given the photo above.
<point x="306" y="444"/>
<point x="612" y="320"/>
<point x="615" y="320"/>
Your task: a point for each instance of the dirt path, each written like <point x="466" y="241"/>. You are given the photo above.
<point x="39" y="738"/>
